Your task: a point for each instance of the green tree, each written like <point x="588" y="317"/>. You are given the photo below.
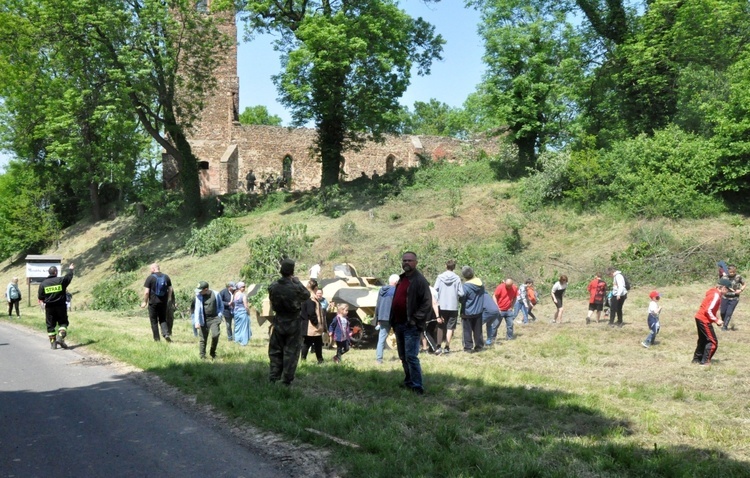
<point x="27" y="219"/>
<point x="259" y="115"/>
<point x="534" y="69"/>
<point x="158" y="54"/>
<point x="437" y="119"/>
<point x="63" y="118"/>
<point x="345" y="64"/>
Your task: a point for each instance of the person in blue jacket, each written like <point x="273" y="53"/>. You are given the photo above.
<point x="383" y="314"/>
<point x="472" y="308"/>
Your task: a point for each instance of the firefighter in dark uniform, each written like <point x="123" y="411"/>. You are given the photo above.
<point x="52" y="293"/>
<point x="286" y="296"/>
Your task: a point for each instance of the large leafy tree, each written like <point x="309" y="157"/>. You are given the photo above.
<point x="345" y="64"/>
<point x="535" y="66"/>
<point x="259" y="115"/>
<point x="157" y="55"/>
<point x="436" y="118"/>
<point x="63" y="118"/>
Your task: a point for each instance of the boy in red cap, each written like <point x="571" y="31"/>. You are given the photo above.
<point x="653" y="318"/>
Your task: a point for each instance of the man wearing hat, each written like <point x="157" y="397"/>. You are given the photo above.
<point x="704" y="320"/>
<point x="226" y="296"/>
<point x="286" y="296"/>
<point x="51" y="297"/>
<point x="207" y="310"/>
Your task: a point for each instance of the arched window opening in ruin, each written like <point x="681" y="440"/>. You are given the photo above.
<point x="202" y="165"/>
<point x="286" y="170"/>
<point x="390" y="163"/>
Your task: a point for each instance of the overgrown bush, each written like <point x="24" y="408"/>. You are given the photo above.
<point x="113" y="293"/>
<point x="158" y="212"/>
<point x="267" y="252"/>
<point x="213" y="237"/>
<point x="656" y="256"/>
<point x="130" y="261"/>
<point x="548" y="184"/>
<point x="671" y="175"/>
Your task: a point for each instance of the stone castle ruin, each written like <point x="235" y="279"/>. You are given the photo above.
<point x="228" y="151"/>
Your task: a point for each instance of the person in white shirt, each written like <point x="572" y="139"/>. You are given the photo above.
<point x="653" y="318"/>
<point x="619" y="294"/>
<point x="315" y="270"/>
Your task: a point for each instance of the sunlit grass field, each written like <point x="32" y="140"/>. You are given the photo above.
<point x="561" y="400"/>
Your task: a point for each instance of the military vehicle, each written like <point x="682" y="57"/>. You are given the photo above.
<point x="359" y="293"/>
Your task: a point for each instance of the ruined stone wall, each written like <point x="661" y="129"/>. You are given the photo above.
<point x="231" y="150"/>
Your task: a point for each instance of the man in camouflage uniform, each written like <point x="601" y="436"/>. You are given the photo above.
<point x="51" y="297"/>
<point x="286" y="296"/>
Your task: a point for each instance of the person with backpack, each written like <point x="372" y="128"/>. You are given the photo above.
<point x="13" y="295"/>
<point x="156" y="293"/>
<point x="620" y="288"/>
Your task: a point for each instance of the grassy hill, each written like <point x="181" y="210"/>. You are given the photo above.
<point x="561" y="400"/>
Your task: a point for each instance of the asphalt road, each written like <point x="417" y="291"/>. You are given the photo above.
<point x="63" y="415"/>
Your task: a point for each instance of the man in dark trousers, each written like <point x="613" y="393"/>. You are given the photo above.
<point x="156" y="293"/>
<point x="227" y="297"/>
<point x="411" y="306"/>
<point x="52" y="292"/>
<point x="286" y="296"/>
<point x="206" y="312"/>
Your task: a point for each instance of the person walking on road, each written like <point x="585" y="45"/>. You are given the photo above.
<point x="51" y="295"/>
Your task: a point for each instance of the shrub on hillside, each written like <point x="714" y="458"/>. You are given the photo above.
<point x="668" y="175"/>
<point x="213" y="237"/>
<point x="130" y="261"/>
<point x="655" y="256"/>
<point x="267" y="252"/>
<point x="548" y="184"/>
<point x="113" y="293"/>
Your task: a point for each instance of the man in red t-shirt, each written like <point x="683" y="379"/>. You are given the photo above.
<point x="704" y="320"/>
<point x="505" y="296"/>
<point x="597" y="290"/>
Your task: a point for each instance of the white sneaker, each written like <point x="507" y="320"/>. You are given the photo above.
<point x="645" y="344"/>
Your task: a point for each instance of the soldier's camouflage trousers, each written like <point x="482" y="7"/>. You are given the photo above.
<point x="284" y="349"/>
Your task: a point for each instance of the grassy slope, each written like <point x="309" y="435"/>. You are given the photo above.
<point x="568" y="400"/>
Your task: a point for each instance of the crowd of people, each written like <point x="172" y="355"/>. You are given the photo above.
<point x="423" y="318"/>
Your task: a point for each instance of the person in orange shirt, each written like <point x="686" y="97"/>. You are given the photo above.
<point x="704" y="320"/>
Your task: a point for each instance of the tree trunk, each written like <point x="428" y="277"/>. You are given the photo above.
<point x="96" y="204"/>
<point x="188" y="167"/>
<point x="330" y="142"/>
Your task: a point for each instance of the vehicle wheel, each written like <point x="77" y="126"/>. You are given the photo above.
<point x="390" y="341"/>
<point x="357" y="330"/>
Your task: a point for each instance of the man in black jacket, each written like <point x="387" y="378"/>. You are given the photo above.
<point x="51" y="295"/>
<point x="411" y="306"/>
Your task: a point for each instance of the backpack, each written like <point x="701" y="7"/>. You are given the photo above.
<point x="15" y="293"/>
<point x="626" y="281"/>
<point x="159" y="287"/>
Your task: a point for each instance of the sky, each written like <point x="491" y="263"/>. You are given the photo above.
<point x="451" y="80"/>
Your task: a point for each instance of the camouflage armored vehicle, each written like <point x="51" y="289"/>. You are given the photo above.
<point x="359" y="293"/>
